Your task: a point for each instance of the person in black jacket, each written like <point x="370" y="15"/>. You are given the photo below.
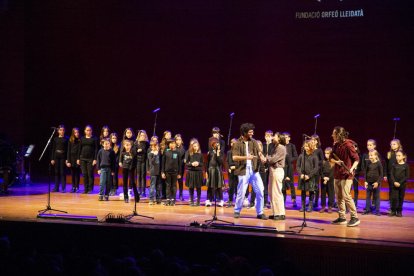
<point x="194" y="180"/>
<point x="318" y="152"/>
<point x="327" y="182"/>
<point x="58" y="158"/>
<point x="181" y="150"/>
<point x="400" y="172"/>
<point x="154" y="167"/>
<point x="87" y="158"/>
<point x="105" y="163"/>
<point x="73" y="153"/>
<point x="373" y="177"/>
<point x="141" y="147"/>
<point x="171" y="171"/>
<point x="232" y="178"/>
<point x="127" y="161"/>
<point x="291" y="156"/>
<point x="307" y="168"/>
<point x="116" y="147"/>
<point x="215" y="181"/>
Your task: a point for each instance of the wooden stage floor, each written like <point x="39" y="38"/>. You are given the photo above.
<point x="25" y="201"/>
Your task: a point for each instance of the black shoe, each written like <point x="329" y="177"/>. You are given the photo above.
<point x="55" y="190"/>
<point x="262" y="216"/>
<point x="302" y="209"/>
<point x="126" y="200"/>
<point x="399" y="214"/>
<point x="392" y="214"/>
<point x="63" y="191"/>
<point x="100" y="198"/>
<point x="236" y="215"/>
<point x="106" y="198"/>
<point x="281" y="217"/>
<point x="73" y="190"/>
<point x="365" y="212"/>
<point x="181" y="198"/>
<point x="294" y="205"/>
<point x="172" y="203"/>
<point x="229" y="204"/>
<point x="91" y="191"/>
<point x="192" y="203"/>
<point x="85" y="192"/>
<point x="339" y="221"/>
<point x="378" y="213"/>
<point x="112" y="193"/>
<point x="271" y="217"/>
<point x="353" y="222"/>
<point x="198" y="203"/>
<point x="310" y="209"/>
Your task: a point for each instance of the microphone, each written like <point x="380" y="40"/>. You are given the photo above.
<point x="396" y="119"/>
<point x="307" y="136"/>
<point x="231" y="114"/>
<point x="316" y="116"/>
<point x="156" y="110"/>
<point x="53" y="127"/>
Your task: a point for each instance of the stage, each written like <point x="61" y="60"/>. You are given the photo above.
<point x="178" y="228"/>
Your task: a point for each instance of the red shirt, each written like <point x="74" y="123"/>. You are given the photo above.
<point x="347" y="153"/>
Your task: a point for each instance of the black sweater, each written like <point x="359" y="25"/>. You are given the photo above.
<point x="400" y="173"/>
<point x="88" y="148"/>
<point x="214" y="161"/>
<point x="142" y="154"/>
<point x="128" y="160"/>
<point x="310" y="167"/>
<point x="154" y="163"/>
<point x="171" y="162"/>
<point x="59" y="148"/>
<point x="373" y="172"/>
<point x="230" y="162"/>
<point x="105" y="159"/>
<point x="195" y="157"/>
<point x="327" y="170"/>
<point x="291" y="154"/>
<point x="73" y="151"/>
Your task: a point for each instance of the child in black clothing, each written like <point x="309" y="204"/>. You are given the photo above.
<point x="291" y="156"/>
<point x="105" y="163"/>
<point x="307" y="168"/>
<point x="232" y="178"/>
<point x="127" y="162"/>
<point x="373" y="177"/>
<point x="214" y="174"/>
<point x="73" y="153"/>
<point x="327" y="185"/>
<point x="141" y="147"/>
<point x="400" y="173"/>
<point x="194" y="180"/>
<point x="87" y="158"/>
<point x="390" y="160"/>
<point x="181" y="150"/>
<point x="58" y="158"/>
<point x="171" y="171"/>
<point x="113" y="138"/>
<point x="154" y="165"/>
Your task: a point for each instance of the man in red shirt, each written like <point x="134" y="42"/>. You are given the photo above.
<point x="346" y="161"/>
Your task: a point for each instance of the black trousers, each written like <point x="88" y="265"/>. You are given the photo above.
<point x="87" y="171"/>
<point x="397" y="197"/>
<point x="114" y="179"/>
<point x="191" y="190"/>
<point x="327" y="189"/>
<point x="60" y="173"/>
<point x="129" y="173"/>
<point x="316" y="192"/>
<point x="142" y="176"/>
<point x="75" y="172"/>
<point x="171" y="185"/>
<point x="210" y="193"/>
<point x="355" y="185"/>
<point x="233" y="181"/>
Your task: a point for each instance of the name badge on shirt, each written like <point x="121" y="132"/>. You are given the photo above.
<point x="174" y="156"/>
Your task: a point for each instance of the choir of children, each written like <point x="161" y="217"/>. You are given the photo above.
<point x="167" y="161"/>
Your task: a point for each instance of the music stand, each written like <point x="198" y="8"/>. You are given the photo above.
<point x="48" y="207"/>
<point x="304" y="224"/>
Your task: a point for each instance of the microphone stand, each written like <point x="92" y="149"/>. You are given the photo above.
<point x="155" y="120"/>
<point x="395" y="126"/>
<point x="210" y="222"/>
<point x="304" y="224"/>
<point x="48" y="207"/>
<point x="231" y="121"/>
<point x="316" y="121"/>
<point x="135" y="213"/>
